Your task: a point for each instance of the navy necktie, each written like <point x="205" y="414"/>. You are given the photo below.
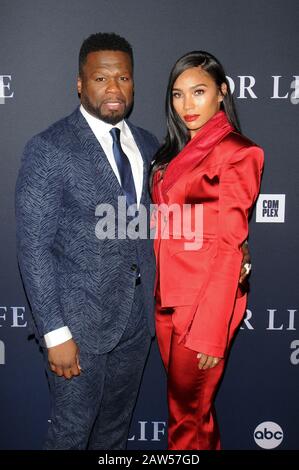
<point x="124" y="168"/>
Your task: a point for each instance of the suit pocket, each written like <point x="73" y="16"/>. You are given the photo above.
<point x="71" y="296"/>
<point x="184" y="245"/>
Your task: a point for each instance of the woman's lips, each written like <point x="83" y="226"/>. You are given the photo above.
<point x="191" y="117"/>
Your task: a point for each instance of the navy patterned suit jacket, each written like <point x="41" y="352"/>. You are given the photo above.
<point x="71" y="277"/>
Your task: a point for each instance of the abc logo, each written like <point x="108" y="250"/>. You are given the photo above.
<point x="268" y="435"/>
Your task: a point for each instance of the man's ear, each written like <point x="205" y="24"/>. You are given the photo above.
<point x="79" y="85"/>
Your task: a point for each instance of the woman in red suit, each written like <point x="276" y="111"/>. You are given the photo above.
<point x="208" y="173"/>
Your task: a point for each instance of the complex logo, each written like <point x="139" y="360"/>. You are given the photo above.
<point x="268" y="435"/>
<point x="270" y="208"/>
<point x="5" y="91"/>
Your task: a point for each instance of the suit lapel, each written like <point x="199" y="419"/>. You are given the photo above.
<point x="197" y="149"/>
<point x="106" y="183"/>
<point x="107" y="187"/>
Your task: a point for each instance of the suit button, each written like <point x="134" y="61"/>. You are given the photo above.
<point x="134" y="267"/>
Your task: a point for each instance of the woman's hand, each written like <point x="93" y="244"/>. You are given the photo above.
<point x="246" y="264"/>
<point x="207" y="362"/>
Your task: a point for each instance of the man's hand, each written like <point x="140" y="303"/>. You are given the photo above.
<point x="246" y="259"/>
<point x="207" y="362"/>
<point x="64" y="359"/>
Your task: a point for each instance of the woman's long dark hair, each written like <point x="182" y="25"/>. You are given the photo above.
<point x="177" y="133"/>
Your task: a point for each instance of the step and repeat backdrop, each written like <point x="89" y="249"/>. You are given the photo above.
<point x="257" y="42"/>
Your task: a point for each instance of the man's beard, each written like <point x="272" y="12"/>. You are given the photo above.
<point x="112" y="118"/>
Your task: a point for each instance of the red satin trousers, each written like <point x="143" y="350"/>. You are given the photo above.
<point x="192" y="422"/>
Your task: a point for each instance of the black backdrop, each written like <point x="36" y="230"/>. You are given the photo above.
<point x="257" y="41"/>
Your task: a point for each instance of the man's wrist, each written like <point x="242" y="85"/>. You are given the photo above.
<point x="58" y="336"/>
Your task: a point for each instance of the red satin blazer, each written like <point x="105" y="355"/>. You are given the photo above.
<point x="220" y="170"/>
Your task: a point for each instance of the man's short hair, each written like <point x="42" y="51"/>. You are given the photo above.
<point x="103" y="42"/>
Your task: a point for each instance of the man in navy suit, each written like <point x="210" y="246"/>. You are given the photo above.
<point x="91" y="297"/>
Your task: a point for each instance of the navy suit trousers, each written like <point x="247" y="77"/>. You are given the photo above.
<point x="94" y="410"/>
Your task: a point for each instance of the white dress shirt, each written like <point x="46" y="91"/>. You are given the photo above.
<point x="101" y="131"/>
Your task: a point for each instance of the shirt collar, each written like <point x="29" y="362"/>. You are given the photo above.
<point x="100" y="127"/>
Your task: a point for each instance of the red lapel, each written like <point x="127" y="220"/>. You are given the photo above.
<point x="197" y="149"/>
